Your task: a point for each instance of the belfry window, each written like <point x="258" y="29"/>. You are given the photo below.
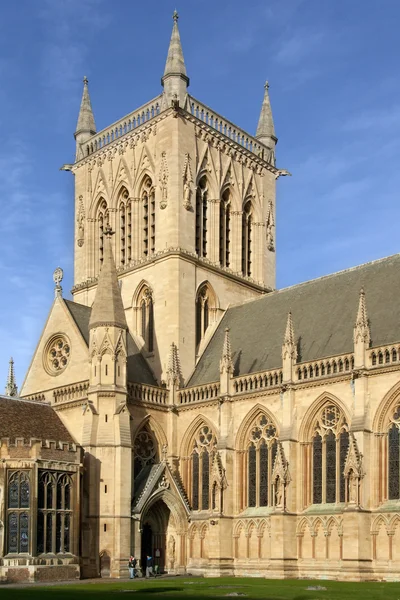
<point x="203" y="449"/>
<point x="145" y="309"/>
<point x="201" y="218"/>
<point x="54" y="513"/>
<point x="18" y="512"/>
<point x="149" y="217"/>
<point x="329" y="448"/>
<point x="224" y="229"/>
<point x="259" y="462"/>
<point x="247" y="240"/>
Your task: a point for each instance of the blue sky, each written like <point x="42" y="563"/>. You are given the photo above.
<point x="335" y="90"/>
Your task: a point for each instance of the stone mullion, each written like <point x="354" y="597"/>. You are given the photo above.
<point x="213" y="237"/>
<point x="236" y="245"/>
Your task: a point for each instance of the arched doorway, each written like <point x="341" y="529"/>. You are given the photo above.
<point x="157" y="523"/>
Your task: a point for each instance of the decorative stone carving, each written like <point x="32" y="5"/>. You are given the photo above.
<point x="163" y="179"/>
<point x="56" y="355"/>
<point x="270" y="227"/>
<point x="187" y="183"/>
<point x="171" y="552"/>
<point x="353" y="472"/>
<point x="80" y="219"/>
<point x="280" y="478"/>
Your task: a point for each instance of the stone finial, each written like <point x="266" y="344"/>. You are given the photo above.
<point x="226" y="362"/>
<point x="11" y="386"/>
<point x="265" y="129"/>
<point x="174" y="375"/>
<point x="361" y="329"/>
<point x="175" y="80"/>
<point x="85" y="122"/>
<point x="108" y="309"/>
<point x="289" y="345"/>
<point x="57" y="278"/>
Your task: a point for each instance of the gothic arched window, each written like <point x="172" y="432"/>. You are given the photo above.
<point x="201" y="218"/>
<point x="205" y="311"/>
<point x="124" y="249"/>
<point x="224" y="229"/>
<point x="203" y="448"/>
<point x="329" y="448"/>
<point x="259" y="460"/>
<point x="145" y="450"/>
<point x="54" y="512"/>
<point x="145" y="321"/>
<point x="149" y="217"/>
<point x="102" y="222"/>
<point x="247" y="240"/>
<point x="18" y="512"/>
<point x="393" y="454"/>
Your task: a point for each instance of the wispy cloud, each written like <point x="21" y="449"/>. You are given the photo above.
<point x="294" y="49"/>
<point x="375" y="120"/>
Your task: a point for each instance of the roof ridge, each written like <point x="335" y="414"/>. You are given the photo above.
<point x="18" y="399"/>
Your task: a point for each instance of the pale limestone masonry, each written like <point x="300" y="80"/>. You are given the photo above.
<point x="227" y="427"/>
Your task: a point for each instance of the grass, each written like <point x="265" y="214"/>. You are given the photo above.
<point x="207" y="589"/>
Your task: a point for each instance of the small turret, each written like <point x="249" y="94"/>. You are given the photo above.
<point x="289" y="350"/>
<point x="226" y="367"/>
<point x="175" y="81"/>
<point x="265" y="129"/>
<point x="362" y="336"/>
<point x="85" y="126"/>
<point x="11" y="387"/>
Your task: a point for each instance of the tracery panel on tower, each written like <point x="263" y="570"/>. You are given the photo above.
<point x="326" y="461"/>
<point x="225" y="229"/>
<point x="125" y="227"/>
<point x="144" y="311"/>
<point x="147" y="196"/>
<point x="201" y="217"/>
<point x="102" y="220"/>
<point x="247" y="220"/>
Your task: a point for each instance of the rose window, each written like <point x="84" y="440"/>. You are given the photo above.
<point x="57" y="354"/>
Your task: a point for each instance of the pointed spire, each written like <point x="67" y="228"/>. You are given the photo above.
<point x="361" y="329"/>
<point x="175" y="81"/>
<point x="85" y="122"/>
<point x="174" y="375"/>
<point x="289" y="345"/>
<point x="226" y="362"/>
<point x="11" y="387"/>
<point x="108" y="309"/>
<point x="265" y="129"/>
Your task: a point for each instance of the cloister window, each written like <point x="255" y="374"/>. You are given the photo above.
<point x="224" y="229"/>
<point x="247" y="240"/>
<point x="203" y="449"/>
<point x="145" y="450"/>
<point x="145" y="309"/>
<point x="201" y="218"/>
<point x="205" y="311"/>
<point x="18" y="512"/>
<point x="54" y="512"/>
<point x="102" y="222"/>
<point x="259" y="458"/>
<point x="330" y="444"/>
<point x="149" y="217"/>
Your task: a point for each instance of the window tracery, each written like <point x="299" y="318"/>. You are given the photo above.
<point x="54" y="512"/>
<point x="261" y="453"/>
<point x="149" y="217"/>
<point x="102" y="222"/>
<point x="145" y="450"/>
<point x="145" y="312"/>
<point x="247" y="221"/>
<point x="330" y="445"/>
<point x="201" y="218"/>
<point x="203" y="449"/>
<point x="56" y="355"/>
<point x="124" y="226"/>
<point x="393" y="466"/>
<point x="18" y="512"/>
<point x="224" y="229"/>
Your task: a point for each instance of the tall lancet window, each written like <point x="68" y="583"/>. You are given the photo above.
<point x="329" y="448"/>
<point x="149" y="217"/>
<point x="18" y="511"/>
<point x="393" y="455"/>
<point x="123" y="223"/>
<point x="202" y="454"/>
<point x="247" y="240"/>
<point x="145" y="313"/>
<point x="102" y="222"/>
<point x="205" y="310"/>
<point x="259" y="459"/>
<point x="201" y="218"/>
<point x="224" y="229"/>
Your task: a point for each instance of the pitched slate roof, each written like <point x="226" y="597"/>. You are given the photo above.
<point x="324" y="313"/>
<point x="27" y="419"/>
<point x="138" y="369"/>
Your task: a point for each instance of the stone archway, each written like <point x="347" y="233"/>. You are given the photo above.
<point x="156" y="523"/>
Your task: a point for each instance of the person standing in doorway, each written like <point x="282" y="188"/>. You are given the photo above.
<point x="149" y="566"/>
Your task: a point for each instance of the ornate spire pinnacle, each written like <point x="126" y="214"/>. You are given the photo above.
<point x="226" y="362"/>
<point x="265" y="129"/>
<point x="289" y="350"/>
<point x="85" y="122"/>
<point x="361" y="329"/>
<point x="108" y="309"/>
<point x="11" y="387"/>
<point x="174" y="375"/>
<point x="175" y="80"/>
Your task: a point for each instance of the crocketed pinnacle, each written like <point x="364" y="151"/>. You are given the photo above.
<point x="289" y="345"/>
<point x="86" y="118"/>
<point x="11" y="387"/>
<point x="265" y="128"/>
<point x="361" y="329"/>
<point x="108" y="309"/>
<point x="174" y="374"/>
<point x="175" y="64"/>
<point x="226" y="361"/>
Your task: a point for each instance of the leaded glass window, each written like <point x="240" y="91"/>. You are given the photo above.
<point x="394" y="456"/>
<point x="201" y="460"/>
<point x="54" y="512"/>
<point x="329" y="450"/>
<point x="18" y="519"/>
<point x="261" y="453"/>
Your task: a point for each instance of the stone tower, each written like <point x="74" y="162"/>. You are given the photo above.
<point x="191" y="198"/>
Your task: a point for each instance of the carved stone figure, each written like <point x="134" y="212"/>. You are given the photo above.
<point x="187" y="193"/>
<point x="171" y="552"/>
<point x="278" y="492"/>
<point x="353" y="488"/>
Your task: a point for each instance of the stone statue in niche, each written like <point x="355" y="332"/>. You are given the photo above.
<point x="278" y="492"/>
<point x="353" y="488"/>
<point x="164" y="191"/>
<point x="171" y="552"/>
<point x="187" y="194"/>
<point x="81" y="223"/>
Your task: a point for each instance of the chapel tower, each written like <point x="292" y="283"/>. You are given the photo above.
<point x="191" y="199"/>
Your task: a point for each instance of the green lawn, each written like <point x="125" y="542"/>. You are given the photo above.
<point x="197" y="589"/>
